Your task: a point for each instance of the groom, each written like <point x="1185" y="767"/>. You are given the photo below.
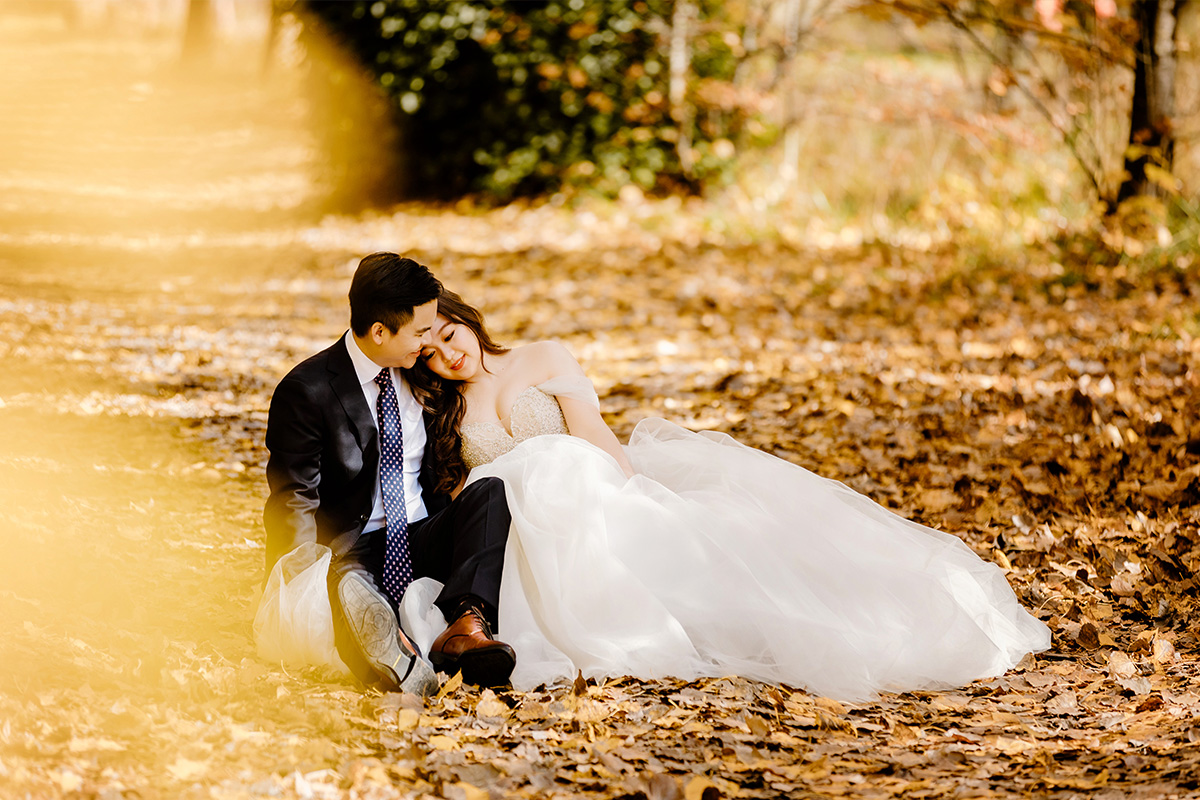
<point x="347" y="469"/>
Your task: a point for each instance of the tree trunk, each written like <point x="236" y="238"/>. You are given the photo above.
<point x="200" y="33"/>
<point x="680" y="59"/>
<point x="1151" y="138"/>
<point x="790" y="168"/>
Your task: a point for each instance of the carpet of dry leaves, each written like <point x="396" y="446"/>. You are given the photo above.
<point x="1040" y="403"/>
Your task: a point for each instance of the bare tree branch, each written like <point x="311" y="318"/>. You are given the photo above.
<point x="1092" y="169"/>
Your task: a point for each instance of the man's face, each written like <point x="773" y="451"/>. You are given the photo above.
<point x="402" y="348"/>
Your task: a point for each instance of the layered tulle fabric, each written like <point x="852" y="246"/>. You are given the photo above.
<point x="293" y="623"/>
<point x="718" y="559"/>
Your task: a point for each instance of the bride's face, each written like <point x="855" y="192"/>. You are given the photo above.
<point x="454" y="353"/>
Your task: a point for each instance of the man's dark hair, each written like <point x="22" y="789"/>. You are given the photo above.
<point x="386" y="288"/>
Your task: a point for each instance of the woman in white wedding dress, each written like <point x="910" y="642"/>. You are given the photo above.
<point x="688" y="554"/>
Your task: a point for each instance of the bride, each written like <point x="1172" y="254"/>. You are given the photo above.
<point x="688" y="554"/>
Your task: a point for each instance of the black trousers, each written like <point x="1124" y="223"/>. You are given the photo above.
<point x="462" y="546"/>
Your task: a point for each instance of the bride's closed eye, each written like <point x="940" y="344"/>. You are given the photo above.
<point x="427" y="354"/>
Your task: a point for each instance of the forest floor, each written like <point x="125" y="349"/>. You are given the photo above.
<point x="161" y="266"/>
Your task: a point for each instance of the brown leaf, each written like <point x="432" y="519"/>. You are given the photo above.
<point x="1120" y="665"/>
<point x="1124" y="584"/>
<point x="1163" y="651"/>
<point x="935" y="501"/>
<point x="1151" y="703"/>
<point x="758" y="726"/>
<point x="1088" y="636"/>
<point x="1063" y="703"/>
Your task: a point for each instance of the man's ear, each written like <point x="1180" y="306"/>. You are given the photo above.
<point x="376" y="333"/>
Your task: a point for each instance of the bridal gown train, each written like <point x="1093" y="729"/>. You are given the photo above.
<point x="717" y="559"/>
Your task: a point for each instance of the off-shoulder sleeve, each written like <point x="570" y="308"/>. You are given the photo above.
<point x="572" y="387"/>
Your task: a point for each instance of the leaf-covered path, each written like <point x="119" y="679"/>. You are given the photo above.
<point x="156" y="283"/>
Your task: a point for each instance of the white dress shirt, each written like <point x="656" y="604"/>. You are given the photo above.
<point x="412" y="421"/>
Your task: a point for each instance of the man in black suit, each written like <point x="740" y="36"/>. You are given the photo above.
<point x="347" y="469"/>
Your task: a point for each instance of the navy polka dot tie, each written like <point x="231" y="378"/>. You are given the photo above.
<point x="397" y="565"/>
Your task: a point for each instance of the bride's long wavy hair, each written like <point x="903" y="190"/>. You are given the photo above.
<point x="443" y="398"/>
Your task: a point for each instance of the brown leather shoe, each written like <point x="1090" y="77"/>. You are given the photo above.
<point x="468" y="645"/>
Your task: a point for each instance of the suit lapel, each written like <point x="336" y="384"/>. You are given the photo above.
<point x="344" y="382"/>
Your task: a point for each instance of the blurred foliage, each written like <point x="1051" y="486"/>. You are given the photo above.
<point x="523" y="98"/>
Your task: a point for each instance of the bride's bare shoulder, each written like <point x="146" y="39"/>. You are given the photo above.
<point x="551" y="357"/>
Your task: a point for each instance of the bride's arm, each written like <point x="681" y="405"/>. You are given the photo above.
<point x="583" y="418"/>
<point x="584" y="421"/>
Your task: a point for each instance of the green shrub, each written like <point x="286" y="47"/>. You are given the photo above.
<point x="524" y="98"/>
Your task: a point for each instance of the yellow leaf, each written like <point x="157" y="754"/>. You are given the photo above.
<point x="608" y="744"/>
<point x="1114" y="435"/>
<point x="407" y="719"/>
<point x="441" y="742"/>
<point x="829" y="704"/>
<point x="1162" y="178"/>
<point x="590" y="711"/>
<point x="84" y="744"/>
<point x="490" y="706"/>
<point x="184" y="769"/>
<point x="804" y="770"/>
<point x="403" y="772"/>
<point x="1001" y="559"/>
<point x="696" y="786"/>
<point x="832" y="723"/>
<point x="68" y="781"/>
<point x="1135" y="151"/>
<point x="727" y="788"/>
<point x="451" y="685"/>
<point x="240" y="733"/>
<point x="1011" y="747"/>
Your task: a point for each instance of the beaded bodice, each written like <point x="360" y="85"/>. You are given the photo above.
<point x="534" y="413"/>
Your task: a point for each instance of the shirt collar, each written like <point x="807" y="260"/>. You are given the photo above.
<point x="364" y="367"/>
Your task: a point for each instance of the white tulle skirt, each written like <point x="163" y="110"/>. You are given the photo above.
<point x="718" y="559"/>
<point x="715" y="559"/>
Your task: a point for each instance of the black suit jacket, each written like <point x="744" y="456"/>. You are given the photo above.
<point x="324" y="458"/>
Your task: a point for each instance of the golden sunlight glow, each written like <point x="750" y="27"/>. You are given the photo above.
<point x="140" y="196"/>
